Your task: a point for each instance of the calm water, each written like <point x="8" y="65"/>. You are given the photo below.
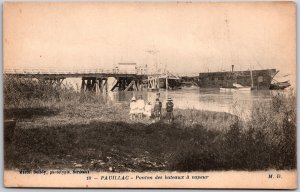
<point x="201" y="99"/>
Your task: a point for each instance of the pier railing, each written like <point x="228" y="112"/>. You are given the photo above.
<point x="103" y="71"/>
<point x="69" y="72"/>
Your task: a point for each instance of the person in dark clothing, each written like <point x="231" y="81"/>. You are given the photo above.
<point x="169" y="109"/>
<point x="157" y="95"/>
<point x="157" y="109"/>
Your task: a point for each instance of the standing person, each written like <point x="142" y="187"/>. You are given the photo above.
<point x="133" y="109"/>
<point x="169" y="109"/>
<point x="157" y="109"/>
<point x="157" y="95"/>
<point x="147" y="111"/>
<point x="140" y="107"/>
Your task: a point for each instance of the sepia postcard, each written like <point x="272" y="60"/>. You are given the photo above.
<point x="150" y="95"/>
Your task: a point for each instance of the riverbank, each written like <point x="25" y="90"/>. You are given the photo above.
<point x="102" y="138"/>
<point x="61" y="129"/>
<point x="99" y="137"/>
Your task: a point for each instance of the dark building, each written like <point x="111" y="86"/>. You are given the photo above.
<point x="257" y="79"/>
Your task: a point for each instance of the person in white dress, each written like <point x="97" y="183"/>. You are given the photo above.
<point x="147" y="111"/>
<point x="133" y="108"/>
<point x="140" y="107"/>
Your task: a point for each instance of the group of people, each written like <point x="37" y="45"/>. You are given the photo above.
<point x="139" y="109"/>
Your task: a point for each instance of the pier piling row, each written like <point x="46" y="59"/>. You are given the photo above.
<point x="153" y="82"/>
<point x="97" y="81"/>
<point x="53" y="81"/>
<point x="128" y="84"/>
<point x="94" y="84"/>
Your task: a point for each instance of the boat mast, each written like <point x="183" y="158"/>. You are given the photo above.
<point x="251" y="78"/>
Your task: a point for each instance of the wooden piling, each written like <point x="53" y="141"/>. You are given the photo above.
<point x="83" y="85"/>
<point x="167" y="85"/>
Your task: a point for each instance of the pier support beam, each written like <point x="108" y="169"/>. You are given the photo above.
<point x="115" y="85"/>
<point x="93" y="84"/>
<point x="102" y="85"/>
<point x="153" y="82"/>
<point x="83" y="85"/>
<point x="127" y="84"/>
<point x="167" y="84"/>
<point x="55" y="81"/>
<point x="134" y="85"/>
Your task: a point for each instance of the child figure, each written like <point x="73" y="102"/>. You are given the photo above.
<point x="147" y="111"/>
<point x="169" y="108"/>
<point x="133" y="109"/>
<point x="140" y="107"/>
<point x="157" y="109"/>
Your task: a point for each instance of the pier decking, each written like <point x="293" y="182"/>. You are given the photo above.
<point x="96" y="80"/>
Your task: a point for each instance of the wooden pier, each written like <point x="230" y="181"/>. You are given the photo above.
<point x="94" y="84"/>
<point x="165" y="80"/>
<point x="131" y="78"/>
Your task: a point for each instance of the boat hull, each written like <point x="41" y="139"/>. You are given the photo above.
<point x="280" y="85"/>
<point x="257" y="79"/>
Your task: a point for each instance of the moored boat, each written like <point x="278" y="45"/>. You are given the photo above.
<point x="253" y="79"/>
<point x="280" y="85"/>
<point x="280" y="82"/>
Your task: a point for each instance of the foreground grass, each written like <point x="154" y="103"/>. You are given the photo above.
<point x="102" y="138"/>
<point x="99" y="137"/>
<point x="70" y="130"/>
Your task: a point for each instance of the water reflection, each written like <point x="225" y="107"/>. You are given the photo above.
<point x="195" y="98"/>
<point x="201" y="99"/>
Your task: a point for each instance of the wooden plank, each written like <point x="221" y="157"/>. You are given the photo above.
<point x="130" y="85"/>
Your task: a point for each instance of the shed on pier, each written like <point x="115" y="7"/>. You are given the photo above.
<point x="125" y="68"/>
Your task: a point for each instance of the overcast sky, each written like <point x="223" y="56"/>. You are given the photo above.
<point x="187" y="37"/>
